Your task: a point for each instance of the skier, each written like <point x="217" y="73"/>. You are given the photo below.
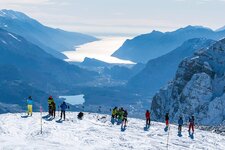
<point x="180" y="124"/>
<point x="80" y="115"/>
<point x="29" y="106"/>
<point x="50" y="100"/>
<point x="191" y="124"/>
<point x="147" y="116"/>
<point x="167" y="119"/>
<point x="53" y="109"/>
<point x="125" y="114"/>
<point x="114" y="112"/>
<point x="63" y="107"/>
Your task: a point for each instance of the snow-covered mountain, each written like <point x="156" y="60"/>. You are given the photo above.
<point x="96" y="132"/>
<point x="197" y="89"/>
<point x="159" y="71"/>
<point x="50" y="39"/>
<point x="149" y="46"/>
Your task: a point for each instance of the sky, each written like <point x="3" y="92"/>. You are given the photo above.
<point x="121" y="17"/>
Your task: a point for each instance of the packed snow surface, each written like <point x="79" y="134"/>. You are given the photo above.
<point x="96" y="132"/>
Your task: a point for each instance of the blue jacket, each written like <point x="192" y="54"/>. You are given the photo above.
<point x="180" y="122"/>
<point x="63" y="106"/>
<point x="29" y="102"/>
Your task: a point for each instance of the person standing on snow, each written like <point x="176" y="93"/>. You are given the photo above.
<point x="147" y="116"/>
<point x="29" y="106"/>
<point x="50" y="100"/>
<point x="167" y="119"/>
<point x="125" y="114"/>
<point x="53" y="109"/>
<point x="180" y="124"/>
<point x="191" y="124"/>
<point x="63" y="107"/>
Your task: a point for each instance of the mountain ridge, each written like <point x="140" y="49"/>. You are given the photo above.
<point x="152" y="45"/>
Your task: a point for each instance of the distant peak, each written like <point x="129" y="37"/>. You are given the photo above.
<point x="13" y="14"/>
<point x="191" y="27"/>
<point x="155" y="31"/>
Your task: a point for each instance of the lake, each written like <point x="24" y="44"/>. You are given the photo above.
<point x="101" y="50"/>
<point x="74" y="99"/>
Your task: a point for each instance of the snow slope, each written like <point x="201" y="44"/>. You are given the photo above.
<point x="91" y="133"/>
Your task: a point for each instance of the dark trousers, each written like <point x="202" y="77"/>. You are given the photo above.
<point x="180" y="128"/>
<point x="147" y="121"/>
<point x="49" y="109"/>
<point x="125" y="121"/>
<point x="53" y="113"/>
<point x="63" y="114"/>
<point x="191" y="126"/>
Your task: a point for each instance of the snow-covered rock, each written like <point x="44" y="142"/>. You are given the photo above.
<point x="198" y="88"/>
<point x="96" y="132"/>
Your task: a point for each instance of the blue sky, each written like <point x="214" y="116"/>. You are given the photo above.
<point x="121" y="16"/>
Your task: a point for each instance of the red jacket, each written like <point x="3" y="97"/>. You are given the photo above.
<point x="147" y="115"/>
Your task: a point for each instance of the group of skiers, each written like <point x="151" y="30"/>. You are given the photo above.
<point x="118" y="114"/>
<point x="51" y="107"/>
<point x="180" y="122"/>
<point x="121" y="115"/>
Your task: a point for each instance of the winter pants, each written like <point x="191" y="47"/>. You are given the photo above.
<point x="167" y="122"/>
<point x="180" y="128"/>
<point x="49" y="110"/>
<point x="191" y="126"/>
<point x="53" y="113"/>
<point x="125" y="121"/>
<point x="29" y="108"/>
<point x="147" y="121"/>
<point x="63" y="114"/>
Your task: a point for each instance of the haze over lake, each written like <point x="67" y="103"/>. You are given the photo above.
<point x="100" y="50"/>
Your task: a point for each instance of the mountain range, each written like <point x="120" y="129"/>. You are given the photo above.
<point x="155" y="44"/>
<point x="49" y="39"/>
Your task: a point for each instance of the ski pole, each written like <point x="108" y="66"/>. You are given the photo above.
<point x="168" y="137"/>
<point x="58" y="110"/>
<point x="41" y="118"/>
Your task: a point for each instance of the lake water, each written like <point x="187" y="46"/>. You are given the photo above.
<point x="101" y="50"/>
<point x="74" y="99"/>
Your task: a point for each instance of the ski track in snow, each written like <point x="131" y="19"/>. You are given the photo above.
<point x="97" y="133"/>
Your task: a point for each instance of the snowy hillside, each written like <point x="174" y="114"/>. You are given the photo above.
<point x="96" y="132"/>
